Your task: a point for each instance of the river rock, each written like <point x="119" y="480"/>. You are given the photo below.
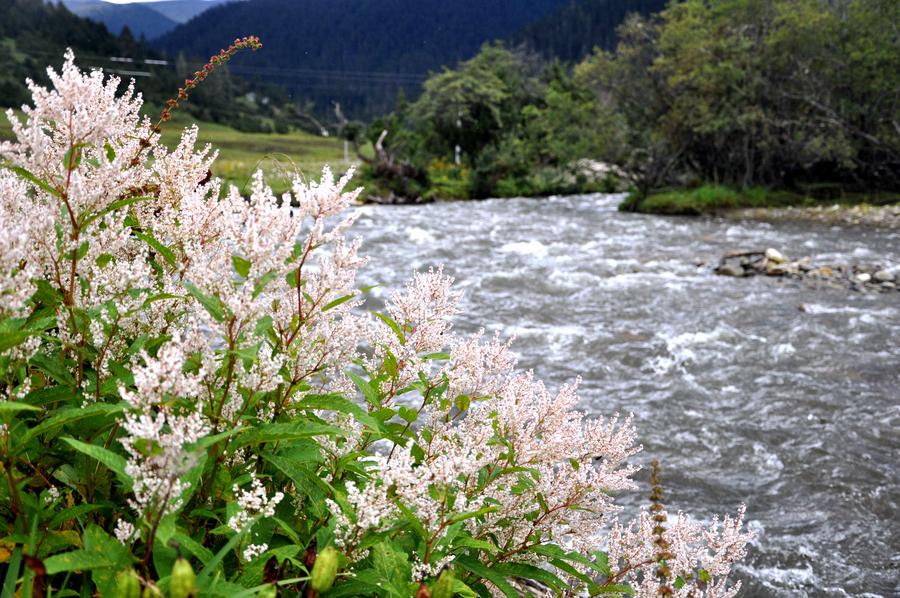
<point x="776" y="269"/>
<point x="775" y="256"/>
<point x="883" y="276"/>
<point x="730" y="270"/>
<point x="863" y="277"/>
<point x="888" y="285"/>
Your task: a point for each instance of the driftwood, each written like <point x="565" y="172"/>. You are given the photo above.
<point x="736" y="254"/>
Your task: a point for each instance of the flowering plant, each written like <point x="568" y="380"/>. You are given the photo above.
<point x="194" y="401"/>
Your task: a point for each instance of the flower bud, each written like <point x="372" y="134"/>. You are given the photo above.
<point x="183" y="583"/>
<point x="444" y="587"/>
<point x="324" y="570"/>
<point x="128" y="585"/>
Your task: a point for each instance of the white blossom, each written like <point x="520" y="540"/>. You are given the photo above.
<point x="251" y="503"/>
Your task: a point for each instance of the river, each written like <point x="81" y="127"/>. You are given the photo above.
<point x="742" y="395"/>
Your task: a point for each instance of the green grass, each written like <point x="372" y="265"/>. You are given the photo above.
<point x="280" y="156"/>
<point x="709" y="199"/>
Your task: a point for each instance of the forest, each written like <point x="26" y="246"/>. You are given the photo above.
<point x="789" y="95"/>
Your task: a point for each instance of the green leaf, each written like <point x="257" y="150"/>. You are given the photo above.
<point x="368" y="390"/>
<point x="287" y="431"/>
<point x="407" y="414"/>
<point x="338" y="301"/>
<point x="15" y="406"/>
<point x="54" y="369"/>
<point x="241" y="265"/>
<point x="492" y="575"/>
<point x="392" y="325"/>
<point x="110" y="152"/>
<point x="263" y="281"/>
<point x="208" y="441"/>
<point x="113" y="462"/>
<point x="470" y="514"/>
<point x="116" y="205"/>
<point x="193" y="547"/>
<point x="391" y="365"/>
<point x="72" y="157"/>
<point x="335" y="402"/>
<point x="25" y="174"/>
<point x="8" y="340"/>
<point x="469" y="542"/>
<point x="212" y="563"/>
<point x="72" y="513"/>
<point x="600" y="564"/>
<point x="82" y="250"/>
<point x="76" y="560"/>
<point x="161" y="249"/>
<point x="526" y="571"/>
<point x="71" y="415"/>
<point x="212" y="304"/>
<point x="98" y="542"/>
<point x="616" y="588"/>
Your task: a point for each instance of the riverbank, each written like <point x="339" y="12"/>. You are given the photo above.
<point x="758" y="203"/>
<point x="837" y="214"/>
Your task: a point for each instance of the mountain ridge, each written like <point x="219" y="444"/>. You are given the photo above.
<point x="362" y="53"/>
<point x="150" y="19"/>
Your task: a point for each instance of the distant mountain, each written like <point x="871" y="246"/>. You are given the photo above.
<point x="141" y="19"/>
<point x="151" y="19"/>
<point x="577" y="27"/>
<point x="357" y="52"/>
<point x="182" y="11"/>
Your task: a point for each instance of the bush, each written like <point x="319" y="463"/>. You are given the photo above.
<point x="710" y="199"/>
<point x="195" y="401"/>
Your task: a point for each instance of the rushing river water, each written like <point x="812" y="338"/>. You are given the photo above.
<point x="743" y="396"/>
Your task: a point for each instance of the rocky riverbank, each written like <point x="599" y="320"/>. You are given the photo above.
<point x="771" y="262"/>
<point x="852" y="215"/>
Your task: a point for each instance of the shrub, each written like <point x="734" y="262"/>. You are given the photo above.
<point x="195" y="401"/>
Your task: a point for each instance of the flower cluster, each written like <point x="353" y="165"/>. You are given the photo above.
<point x="216" y="349"/>
<point x="700" y="560"/>
<point x="252" y="503"/>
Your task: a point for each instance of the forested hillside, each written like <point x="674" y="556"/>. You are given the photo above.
<point x="35" y="34"/>
<point x="358" y="52"/>
<point x="573" y="30"/>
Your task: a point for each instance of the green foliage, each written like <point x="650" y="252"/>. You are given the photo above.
<point x="521" y="126"/>
<point x="741" y="93"/>
<point x="754" y="92"/>
<point x="72" y="462"/>
<point x="710" y="198"/>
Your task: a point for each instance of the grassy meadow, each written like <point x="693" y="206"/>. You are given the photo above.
<point x="280" y="156"/>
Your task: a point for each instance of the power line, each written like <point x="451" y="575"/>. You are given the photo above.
<point x="295" y="73"/>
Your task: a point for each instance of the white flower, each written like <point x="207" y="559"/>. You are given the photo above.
<point x="253" y="502"/>
<point x="254" y="550"/>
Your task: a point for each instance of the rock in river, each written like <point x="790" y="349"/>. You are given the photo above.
<point x="775" y="256"/>
<point x="730" y="270"/>
<point x="883" y="276"/>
